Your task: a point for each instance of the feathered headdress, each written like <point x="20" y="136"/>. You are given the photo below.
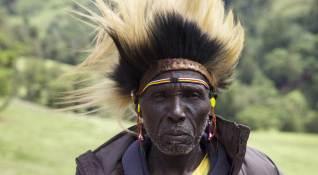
<point x="133" y="36"/>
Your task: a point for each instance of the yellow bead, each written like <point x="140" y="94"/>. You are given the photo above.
<point x="213" y="102"/>
<point x="138" y="108"/>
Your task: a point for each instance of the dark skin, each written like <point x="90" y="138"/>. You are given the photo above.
<point x="175" y="116"/>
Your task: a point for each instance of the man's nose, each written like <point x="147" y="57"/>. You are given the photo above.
<point x="177" y="113"/>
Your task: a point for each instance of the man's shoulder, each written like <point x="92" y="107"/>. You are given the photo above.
<point x="256" y="162"/>
<point x="106" y="158"/>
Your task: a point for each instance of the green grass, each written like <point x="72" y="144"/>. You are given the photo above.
<point x="38" y="141"/>
<point x="294" y="153"/>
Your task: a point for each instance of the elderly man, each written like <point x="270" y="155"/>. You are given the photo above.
<point x="169" y="59"/>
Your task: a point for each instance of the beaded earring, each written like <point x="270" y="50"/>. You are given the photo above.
<point x="212" y="120"/>
<point x="139" y="123"/>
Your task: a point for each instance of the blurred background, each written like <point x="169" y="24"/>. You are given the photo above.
<point x="276" y="91"/>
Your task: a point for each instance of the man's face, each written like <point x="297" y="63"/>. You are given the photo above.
<point x="175" y="114"/>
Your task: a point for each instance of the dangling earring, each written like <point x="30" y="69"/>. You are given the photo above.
<point x="139" y="124"/>
<point x="212" y="120"/>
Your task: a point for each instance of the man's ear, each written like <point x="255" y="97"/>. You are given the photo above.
<point x="139" y="112"/>
<point x="210" y="112"/>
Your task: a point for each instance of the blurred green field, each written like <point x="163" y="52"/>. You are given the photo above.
<point x="39" y="141"/>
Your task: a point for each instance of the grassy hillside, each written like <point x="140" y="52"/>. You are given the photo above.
<point x="294" y="153"/>
<point x="38" y="141"/>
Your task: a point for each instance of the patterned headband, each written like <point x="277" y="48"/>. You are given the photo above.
<point x="175" y="64"/>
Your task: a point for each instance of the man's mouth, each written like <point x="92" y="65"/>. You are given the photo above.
<point x="177" y="137"/>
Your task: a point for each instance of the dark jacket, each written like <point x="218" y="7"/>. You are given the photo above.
<point x="240" y="159"/>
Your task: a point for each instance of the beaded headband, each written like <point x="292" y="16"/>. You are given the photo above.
<point x="174" y="80"/>
<point x="175" y="64"/>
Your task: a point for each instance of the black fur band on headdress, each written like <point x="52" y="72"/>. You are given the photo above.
<point x="170" y="36"/>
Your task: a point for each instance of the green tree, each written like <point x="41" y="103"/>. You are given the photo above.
<point x="284" y="68"/>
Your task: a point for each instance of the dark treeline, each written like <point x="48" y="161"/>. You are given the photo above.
<point x="277" y="86"/>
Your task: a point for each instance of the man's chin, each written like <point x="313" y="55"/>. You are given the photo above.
<point x="175" y="149"/>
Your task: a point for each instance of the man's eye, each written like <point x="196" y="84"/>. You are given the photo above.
<point x="192" y="95"/>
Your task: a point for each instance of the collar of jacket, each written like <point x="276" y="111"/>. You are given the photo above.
<point x="234" y="137"/>
<point x="231" y="135"/>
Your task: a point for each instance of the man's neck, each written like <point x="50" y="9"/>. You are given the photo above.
<point x="160" y="163"/>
